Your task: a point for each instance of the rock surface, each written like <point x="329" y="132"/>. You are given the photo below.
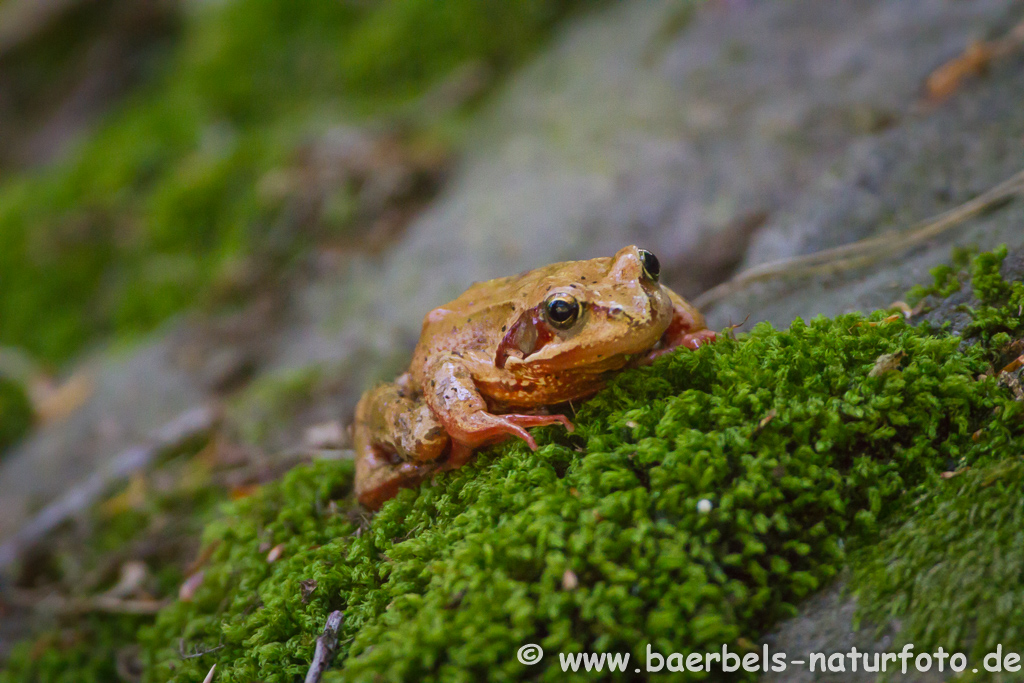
<point x="932" y="163"/>
<point x="823" y="627"/>
<point x="131" y="395"/>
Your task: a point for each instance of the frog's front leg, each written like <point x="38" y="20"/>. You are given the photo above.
<point x="398" y="441"/>
<point x="687" y="329"/>
<point x="452" y="394"/>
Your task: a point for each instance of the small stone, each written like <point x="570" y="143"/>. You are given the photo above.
<point x="188" y="588"/>
<point x="887" y="362"/>
<point x="275" y="553"/>
<point x="327" y="435"/>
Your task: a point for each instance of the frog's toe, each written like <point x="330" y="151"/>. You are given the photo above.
<point x="486" y="428"/>
<point x="523" y="421"/>
<point x="698" y="339"/>
<point x="527" y="437"/>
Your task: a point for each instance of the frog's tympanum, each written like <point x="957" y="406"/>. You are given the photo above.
<point x="489" y="364"/>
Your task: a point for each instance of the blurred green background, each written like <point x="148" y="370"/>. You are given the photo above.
<point x="160" y="201"/>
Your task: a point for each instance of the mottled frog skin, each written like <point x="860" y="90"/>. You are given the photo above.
<point x="489" y="364"/>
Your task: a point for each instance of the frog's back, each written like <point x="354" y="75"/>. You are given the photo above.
<point x="532" y="284"/>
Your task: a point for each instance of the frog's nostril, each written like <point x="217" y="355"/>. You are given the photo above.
<point x="616" y="312"/>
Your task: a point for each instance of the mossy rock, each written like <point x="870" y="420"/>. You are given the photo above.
<point x="446" y="583"/>
<point x="15" y="413"/>
<point x="698" y="502"/>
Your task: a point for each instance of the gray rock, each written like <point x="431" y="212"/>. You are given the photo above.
<point x="934" y="161"/>
<point x="824" y="628"/>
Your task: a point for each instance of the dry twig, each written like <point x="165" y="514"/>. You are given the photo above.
<point x="326" y="645"/>
<point x="198" y="653"/>
<point x="974" y="61"/>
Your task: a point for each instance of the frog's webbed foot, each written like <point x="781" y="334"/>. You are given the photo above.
<point x="379" y="479"/>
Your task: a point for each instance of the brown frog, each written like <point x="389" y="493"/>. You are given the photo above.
<point x="490" y="363"/>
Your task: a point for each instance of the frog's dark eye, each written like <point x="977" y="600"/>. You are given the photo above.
<point x="561" y="310"/>
<point x="652" y="268"/>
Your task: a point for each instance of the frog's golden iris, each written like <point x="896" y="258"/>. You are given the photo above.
<point x="562" y="311"/>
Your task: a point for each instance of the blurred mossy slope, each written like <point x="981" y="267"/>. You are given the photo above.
<point x="15" y="412"/>
<point x="162" y="200"/>
<point x="802" y="440"/>
<point x="959" y="553"/>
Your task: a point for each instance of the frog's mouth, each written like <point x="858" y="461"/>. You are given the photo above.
<point x="525" y="336"/>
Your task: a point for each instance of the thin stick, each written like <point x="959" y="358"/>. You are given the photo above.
<point x="198" y="653"/>
<point x="54" y="603"/>
<point x="326" y="645"/>
<point x="866" y="251"/>
<point x="182" y="429"/>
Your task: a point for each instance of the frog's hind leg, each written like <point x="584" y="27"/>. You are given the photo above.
<point x="398" y="440"/>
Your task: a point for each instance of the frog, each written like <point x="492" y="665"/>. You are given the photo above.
<point x="497" y="361"/>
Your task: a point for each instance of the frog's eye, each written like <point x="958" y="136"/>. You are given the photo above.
<point x="561" y="310"/>
<point x="652" y="268"/>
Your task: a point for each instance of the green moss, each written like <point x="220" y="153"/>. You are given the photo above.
<point x="158" y="203"/>
<point x="160" y="524"/>
<point x="945" y="278"/>
<point x="86" y="654"/>
<point x="951" y="571"/>
<point x="405" y="45"/>
<point x="15" y="413"/>
<point x="1000" y="302"/>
